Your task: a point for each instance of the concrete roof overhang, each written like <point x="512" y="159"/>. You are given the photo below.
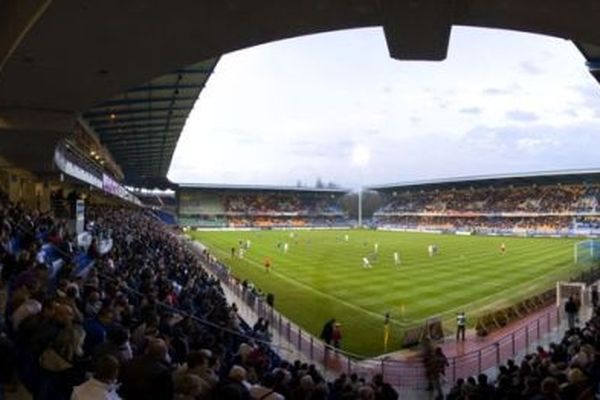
<point x="61" y="58"/>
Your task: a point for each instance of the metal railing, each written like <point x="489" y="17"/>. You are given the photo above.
<point x="409" y="372"/>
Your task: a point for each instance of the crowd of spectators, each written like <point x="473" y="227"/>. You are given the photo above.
<point x="140" y="320"/>
<point x="273" y="203"/>
<point x="549" y="209"/>
<point x="567" y="370"/>
<point x="261" y="209"/>
<point x="543" y="224"/>
<point x="504" y="199"/>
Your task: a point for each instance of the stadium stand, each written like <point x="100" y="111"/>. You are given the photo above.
<point x="566" y="204"/>
<point x="567" y="369"/>
<point x="144" y="310"/>
<point x="237" y="207"/>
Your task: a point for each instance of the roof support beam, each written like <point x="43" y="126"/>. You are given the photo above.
<point x="132" y="148"/>
<point x="417" y="29"/>
<point x="149" y="88"/>
<point x="120" y="102"/>
<point x="127" y="111"/>
<point x="17" y="17"/>
<point x="152" y="127"/>
<point x="205" y="71"/>
<point x="130" y="123"/>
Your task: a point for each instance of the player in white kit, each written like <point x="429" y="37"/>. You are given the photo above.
<point x="396" y="258"/>
<point x="366" y="263"/>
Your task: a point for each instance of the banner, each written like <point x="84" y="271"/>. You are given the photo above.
<point x="79" y="216"/>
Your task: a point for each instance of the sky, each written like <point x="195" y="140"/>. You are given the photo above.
<point x="335" y="106"/>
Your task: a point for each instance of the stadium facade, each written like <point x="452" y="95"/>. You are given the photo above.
<point x="93" y="97"/>
<point x="558" y="203"/>
<point x="238" y="206"/>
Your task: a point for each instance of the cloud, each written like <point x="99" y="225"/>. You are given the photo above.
<point x="372" y="132"/>
<point x="522" y="116"/>
<point x="440" y="102"/>
<point x="512" y="89"/>
<point x="495" y="92"/>
<point x="471" y="110"/>
<point x="530" y="68"/>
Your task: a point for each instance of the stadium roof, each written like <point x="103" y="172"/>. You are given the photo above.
<point x="267" y="188"/>
<point x="592" y="54"/>
<point x="60" y="58"/>
<point x="141" y="127"/>
<point x="529" y="178"/>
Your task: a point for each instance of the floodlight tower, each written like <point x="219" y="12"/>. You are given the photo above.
<point x="360" y="190"/>
<point x="360" y="157"/>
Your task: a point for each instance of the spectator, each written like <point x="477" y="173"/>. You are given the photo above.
<point x="327" y="331"/>
<point x="235" y="386"/>
<point x="265" y="390"/>
<point x="102" y="386"/>
<point x="148" y="373"/>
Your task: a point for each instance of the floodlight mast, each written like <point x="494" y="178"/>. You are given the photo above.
<point x="360" y="191"/>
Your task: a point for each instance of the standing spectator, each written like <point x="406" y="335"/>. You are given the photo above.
<point x="461" y="325"/>
<point x="327" y="331"/>
<point x="571" y="309"/>
<point x="336" y="335"/>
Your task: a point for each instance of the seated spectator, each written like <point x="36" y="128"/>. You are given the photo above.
<point x="102" y="386"/>
<point x="148" y="373"/>
<point x="235" y="386"/>
<point x="62" y="365"/>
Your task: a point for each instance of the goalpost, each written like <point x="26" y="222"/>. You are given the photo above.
<point x="565" y="290"/>
<point x="586" y="251"/>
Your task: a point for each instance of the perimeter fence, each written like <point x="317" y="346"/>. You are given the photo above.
<point x="409" y="372"/>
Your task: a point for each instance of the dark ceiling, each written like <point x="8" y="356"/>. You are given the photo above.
<point x="141" y="127"/>
<point x="62" y="58"/>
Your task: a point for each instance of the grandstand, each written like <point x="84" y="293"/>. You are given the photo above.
<point x="99" y="293"/>
<point x="259" y="207"/>
<point x="536" y="204"/>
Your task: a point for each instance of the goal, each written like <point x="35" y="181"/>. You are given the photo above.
<point x="564" y="290"/>
<point x="586" y="251"/>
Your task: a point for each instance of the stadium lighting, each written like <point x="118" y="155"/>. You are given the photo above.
<point x="360" y="155"/>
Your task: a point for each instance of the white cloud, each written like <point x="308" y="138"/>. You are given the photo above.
<point x="296" y="109"/>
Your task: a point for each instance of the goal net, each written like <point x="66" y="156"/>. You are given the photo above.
<point x="586" y="251"/>
<point x="564" y="290"/>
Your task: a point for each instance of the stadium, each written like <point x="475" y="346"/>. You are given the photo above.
<point x="117" y="282"/>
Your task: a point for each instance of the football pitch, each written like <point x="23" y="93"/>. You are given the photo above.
<point x="322" y="276"/>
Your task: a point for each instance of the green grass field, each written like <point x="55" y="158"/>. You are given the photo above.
<point x="322" y="276"/>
